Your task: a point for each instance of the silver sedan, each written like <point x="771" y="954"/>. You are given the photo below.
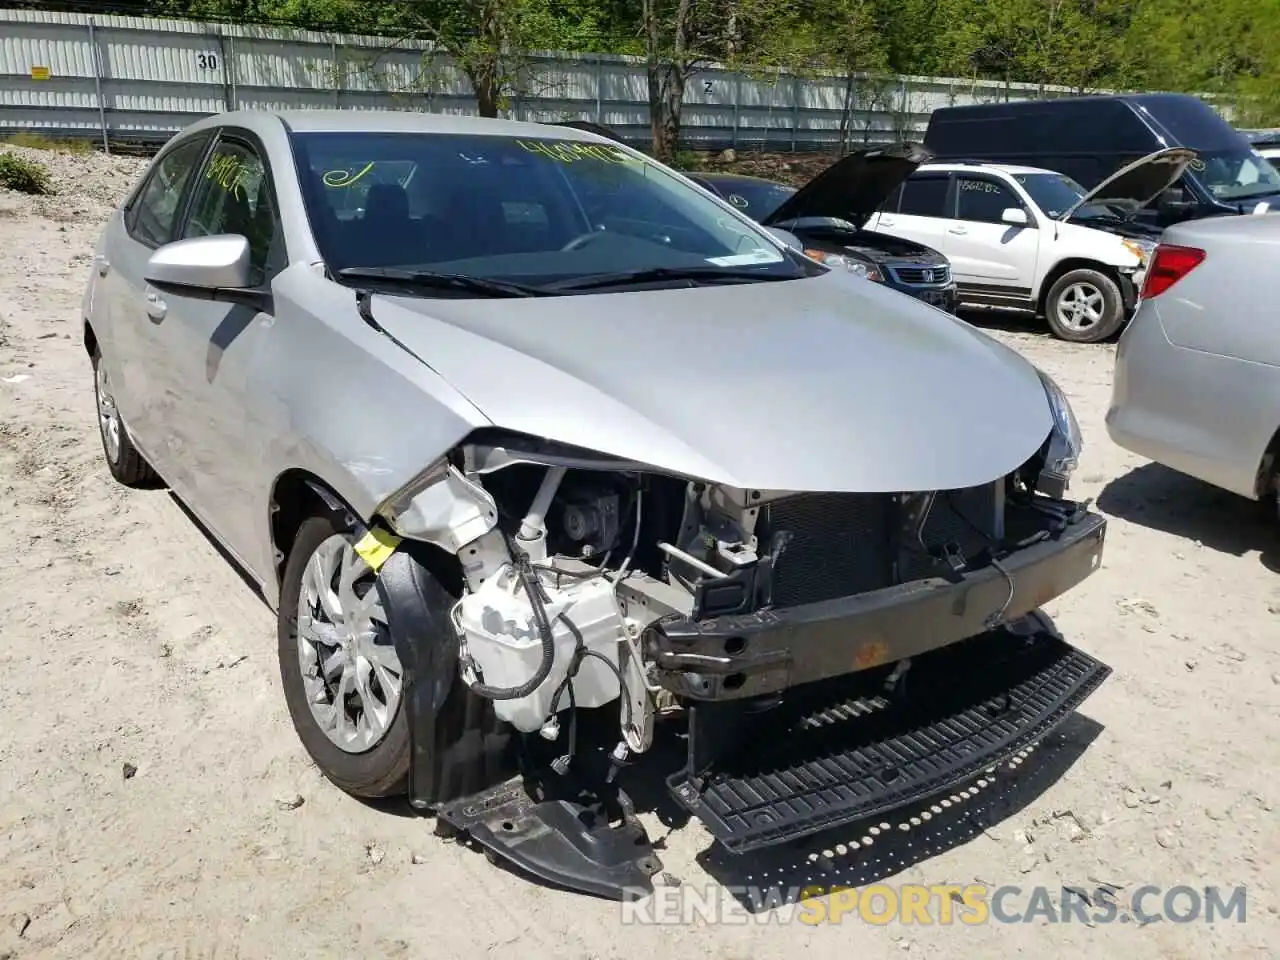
<point x="1197" y="374"/>
<point x="531" y="443"/>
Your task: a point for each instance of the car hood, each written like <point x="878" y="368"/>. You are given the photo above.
<point x="1134" y="186"/>
<point x="853" y="187"/>
<point x="822" y="384"/>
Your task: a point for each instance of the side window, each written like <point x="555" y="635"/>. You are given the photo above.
<point x="981" y="200"/>
<point x="233" y="195"/>
<point x="153" y="215"/>
<point x="925" y="196"/>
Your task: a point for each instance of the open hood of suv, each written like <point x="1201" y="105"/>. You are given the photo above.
<point x="853" y="187"/>
<point x="1136" y="185"/>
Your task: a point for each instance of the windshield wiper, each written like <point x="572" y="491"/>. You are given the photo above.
<point x="656" y="274"/>
<point x="427" y="280"/>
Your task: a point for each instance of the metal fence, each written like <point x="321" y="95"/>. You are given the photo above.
<point x="139" y="80"/>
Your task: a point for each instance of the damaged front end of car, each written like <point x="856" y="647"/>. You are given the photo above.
<point x="826" y="656"/>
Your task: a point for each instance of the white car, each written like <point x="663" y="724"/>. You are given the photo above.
<point x="1025" y="238"/>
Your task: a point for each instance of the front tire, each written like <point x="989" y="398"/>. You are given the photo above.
<point x="342" y="679"/>
<point x="123" y="459"/>
<point x="1084" y="306"/>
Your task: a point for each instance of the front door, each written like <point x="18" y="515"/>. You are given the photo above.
<point x="219" y="348"/>
<point x="990" y="258"/>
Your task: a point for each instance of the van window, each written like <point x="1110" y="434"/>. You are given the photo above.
<point x="1191" y="121"/>
<point x="1021" y="132"/>
<point x="925" y="196"/>
<point x="1107" y="126"/>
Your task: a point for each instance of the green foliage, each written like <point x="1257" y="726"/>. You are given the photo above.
<point x="1226" y="47"/>
<point x="37" y="141"/>
<point x="23" y="175"/>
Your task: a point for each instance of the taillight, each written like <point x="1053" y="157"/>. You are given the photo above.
<point x="1169" y="264"/>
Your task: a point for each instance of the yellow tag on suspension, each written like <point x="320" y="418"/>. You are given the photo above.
<point x="376" y="547"/>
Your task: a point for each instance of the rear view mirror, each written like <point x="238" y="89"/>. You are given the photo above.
<point x="205" y="268"/>
<point x="1015" y="216"/>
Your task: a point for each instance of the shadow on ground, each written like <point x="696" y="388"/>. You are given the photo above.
<point x="1008" y="321"/>
<point x="222" y="551"/>
<point x="1012" y="321"/>
<point x="842" y="858"/>
<point x="1159" y="498"/>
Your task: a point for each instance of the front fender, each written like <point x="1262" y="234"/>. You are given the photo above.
<point x="342" y="402"/>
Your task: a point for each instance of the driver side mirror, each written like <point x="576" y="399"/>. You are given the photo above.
<point x="1015" y="216"/>
<point x="206" y="268"/>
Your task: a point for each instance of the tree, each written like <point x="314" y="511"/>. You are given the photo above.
<point x="670" y="46"/>
<point x="1228" y="48"/>
<point x="488" y="40"/>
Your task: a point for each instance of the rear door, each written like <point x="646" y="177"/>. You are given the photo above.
<point x="991" y="258"/>
<point x="920" y="212"/>
<point x="136" y="362"/>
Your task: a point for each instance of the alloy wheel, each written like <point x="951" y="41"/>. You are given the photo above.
<point x="350" y="671"/>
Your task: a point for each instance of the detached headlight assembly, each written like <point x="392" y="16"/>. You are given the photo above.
<point x="1065" y="442"/>
<point x="860" y="267"/>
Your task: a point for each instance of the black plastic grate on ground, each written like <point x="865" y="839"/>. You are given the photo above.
<point x="835" y="763"/>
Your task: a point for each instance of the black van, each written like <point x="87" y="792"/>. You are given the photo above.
<point x="1089" y="138"/>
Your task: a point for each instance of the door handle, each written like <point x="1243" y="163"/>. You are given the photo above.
<point x="887" y="221"/>
<point x="156" y="308"/>
<point x="959" y="231"/>
<point x="101" y="263"/>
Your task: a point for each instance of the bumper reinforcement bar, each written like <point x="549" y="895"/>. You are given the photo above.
<point x="739" y="657"/>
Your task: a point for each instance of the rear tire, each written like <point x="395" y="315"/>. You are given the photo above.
<point x="369" y="761"/>
<point x="123" y="459"/>
<point x="1084" y="306"/>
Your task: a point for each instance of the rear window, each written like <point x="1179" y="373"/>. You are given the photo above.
<point x="1022" y="132"/>
<point x="925" y="196"/>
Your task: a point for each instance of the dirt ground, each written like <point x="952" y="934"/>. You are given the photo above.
<point x="149" y="776"/>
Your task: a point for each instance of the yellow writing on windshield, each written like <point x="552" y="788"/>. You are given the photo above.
<point x="229" y="172"/>
<point x="345" y="178"/>
<point x="573" y="152"/>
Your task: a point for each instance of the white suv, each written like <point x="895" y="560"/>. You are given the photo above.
<point x="1024" y="238"/>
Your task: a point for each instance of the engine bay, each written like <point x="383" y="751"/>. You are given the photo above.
<point x="583" y="565"/>
<point x="797" y="642"/>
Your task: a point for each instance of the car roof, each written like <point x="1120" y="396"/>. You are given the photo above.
<point x="396" y="121"/>
<point x="1009" y="168"/>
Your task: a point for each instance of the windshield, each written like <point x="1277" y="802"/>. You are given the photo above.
<point x="1235" y="174"/>
<point x="533" y="211"/>
<point x="756" y="198"/>
<point x="1055" y="194"/>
